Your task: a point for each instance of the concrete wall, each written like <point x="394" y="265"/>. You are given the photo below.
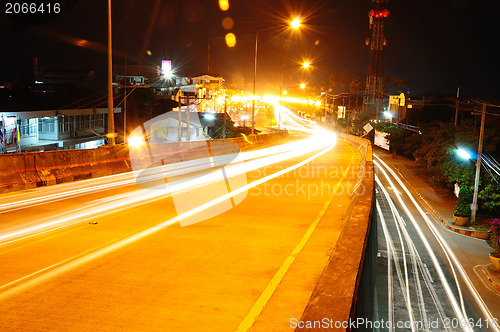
<point x="346" y="286"/>
<point x="35" y="169"/>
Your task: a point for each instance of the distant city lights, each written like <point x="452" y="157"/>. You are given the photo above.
<point x="275" y="99"/>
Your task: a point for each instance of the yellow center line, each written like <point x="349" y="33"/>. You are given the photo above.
<point x="257" y="308"/>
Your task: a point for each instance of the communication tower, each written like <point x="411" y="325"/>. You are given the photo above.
<point x="374" y="97"/>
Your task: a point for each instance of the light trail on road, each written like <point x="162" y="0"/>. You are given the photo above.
<point x="455" y="265"/>
<point x="245" y="162"/>
<point x="128" y="214"/>
<point x="44" y="274"/>
<point x="417" y="266"/>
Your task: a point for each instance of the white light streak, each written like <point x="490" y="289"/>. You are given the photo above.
<point x="243" y="163"/>
<point x="459" y="311"/>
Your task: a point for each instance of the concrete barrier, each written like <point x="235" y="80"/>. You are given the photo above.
<point x="345" y="289"/>
<point x="20" y="171"/>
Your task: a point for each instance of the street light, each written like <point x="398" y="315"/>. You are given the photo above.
<point x="478" y="164"/>
<point x="295" y="24"/>
<point x="306" y="64"/>
<point x="466" y="155"/>
<point x="302" y="85"/>
<point x="135" y="141"/>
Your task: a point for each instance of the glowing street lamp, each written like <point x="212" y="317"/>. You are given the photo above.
<point x="464" y="154"/>
<point x="306" y="64"/>
<point x="295" y="24"/>
<point x="166" y="68"/>
<point x="302" y="85"/>
<point x="135" y="141"/>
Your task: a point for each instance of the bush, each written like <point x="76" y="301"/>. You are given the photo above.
<point x="462" y="209"/>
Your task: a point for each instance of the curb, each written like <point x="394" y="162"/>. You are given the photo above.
<point x="482" y="235"/>
<point x="484" y="269"/>
<point x="477" y="234"/>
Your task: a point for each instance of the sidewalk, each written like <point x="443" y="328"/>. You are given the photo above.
<point x="440" y="202"/>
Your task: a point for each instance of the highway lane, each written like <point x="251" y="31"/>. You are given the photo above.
<point x="251" y="267"/>
<point x="420" y="274"/>
<point x="118" y="191"/>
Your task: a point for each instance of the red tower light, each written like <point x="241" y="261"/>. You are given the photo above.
<point x="378" y="13"/>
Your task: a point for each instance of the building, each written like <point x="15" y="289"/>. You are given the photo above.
<point x="209" y="90"/>
<point x="26" y="131"/>
<point x="202" y="126"/>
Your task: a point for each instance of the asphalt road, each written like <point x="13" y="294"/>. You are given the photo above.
<point x="108" y="255"/>
<point x="425" y="272"/>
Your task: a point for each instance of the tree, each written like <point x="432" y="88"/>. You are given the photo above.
<point x="396" y="83"/>
<point x="462" y="209"/>
<point x="355" y="87"/>
<point x="405" y="83"/>
<point x="334" y="80"/>
<point x="436" y="149"/>
<point x="343" y="81"/>
<point x="490" y="195"/>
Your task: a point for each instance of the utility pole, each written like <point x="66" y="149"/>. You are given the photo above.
<point x="457" y="104"/>
<point x="478" y="165"/>
<point x="254" y="81"/>
<point x="187" y="118"/>
<point x="225" y="114"/>
<point x="111" y="116"/>
<point x="125" y="104"/>
<point x="180" y="120"/>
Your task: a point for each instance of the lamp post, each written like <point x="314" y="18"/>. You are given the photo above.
<point x="111" y="118"/>
<point x="478" y="166"/>
<point x="464" y="154"/>
<point x="295" y="24"/>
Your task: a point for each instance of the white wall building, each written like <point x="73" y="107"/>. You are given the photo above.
<point x="53" y="129"/>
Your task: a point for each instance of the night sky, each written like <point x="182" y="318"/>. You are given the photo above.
<point x="439" y="44"/>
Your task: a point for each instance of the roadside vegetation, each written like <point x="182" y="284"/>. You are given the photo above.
<point x="435" y="149"/>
